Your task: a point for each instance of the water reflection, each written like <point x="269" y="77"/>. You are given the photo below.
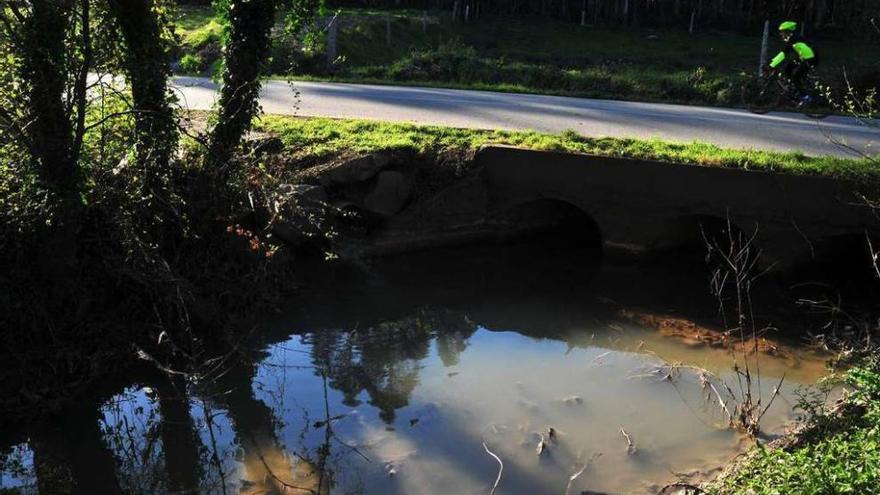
<point x="71" y="456"/>
<point x="384" y="360"/>
<point x="390" y="380"/>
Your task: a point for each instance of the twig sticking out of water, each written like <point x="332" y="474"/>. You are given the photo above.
<point x="574" y="477"/>
<point x="721" y="402"/>
<point x="577" y="474"/>
<point x="672" y="372"/>
<point x="772" y="398"/>
<point x="500" y="469"/>
<point x="630" y="445"/>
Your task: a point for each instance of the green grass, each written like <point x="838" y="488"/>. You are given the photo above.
<point x="842" y="455"/>
<point x="197" y="27"/>
<point x="322" y="136"/>
<point x="543" y="56"/>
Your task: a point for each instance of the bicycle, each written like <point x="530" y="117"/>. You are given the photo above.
<point x="774" y="91"/>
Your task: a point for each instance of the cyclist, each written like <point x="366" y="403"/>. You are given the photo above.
<point x="797" y="59"/>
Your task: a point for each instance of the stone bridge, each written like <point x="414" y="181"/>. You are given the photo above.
<point x="635" y="207"/>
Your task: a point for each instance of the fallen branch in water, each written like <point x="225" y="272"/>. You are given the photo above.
<point x="500" y="469"/>
<point x="577" y="474"/>
<point x="574" y="477"/>
<point x="630" y="445"/>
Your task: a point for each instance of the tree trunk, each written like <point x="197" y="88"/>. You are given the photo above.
<point x="52" y="143"/>
<point x="45" y="68"/>
<point x="146" y="65"/>
<point x="245" y="55"/>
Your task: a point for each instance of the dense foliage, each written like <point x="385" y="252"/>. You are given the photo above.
<point x="839" y="454"/>
<point x="107" y="221"/>
<point x="828" y="14"/>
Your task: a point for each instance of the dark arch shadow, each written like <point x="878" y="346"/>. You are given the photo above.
<point x="686" y="240"/>
<point x="545" y="241"/>
<point x="841" y="268"/>
<point x="551" y="220"/>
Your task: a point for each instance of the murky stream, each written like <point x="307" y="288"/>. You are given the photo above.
<point x="393" y="381"/>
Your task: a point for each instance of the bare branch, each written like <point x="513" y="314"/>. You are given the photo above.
<point x="500" y="469"/>
<point x="577" y="474"/>
<point x="630" y="445"/>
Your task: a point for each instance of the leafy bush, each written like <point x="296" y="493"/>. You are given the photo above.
<point x="866" y="380"/>
<point x="843" y="457"/>
<point x="209" y="33"/>
<point x="450" y="61"/>
<point x="191" y="64"/>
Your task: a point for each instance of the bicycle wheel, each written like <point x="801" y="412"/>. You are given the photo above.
<point x="818" y="107"/>
<point x="760" y="95"/>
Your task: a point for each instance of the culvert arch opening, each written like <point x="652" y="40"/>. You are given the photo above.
<point x="524" y="251"/>
<point x="845" y="261"/>
<point x="550" y="240"/>
<point x="550" y="221"/>
<point x="694" y="240"/>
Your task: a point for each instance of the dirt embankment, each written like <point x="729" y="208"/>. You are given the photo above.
<point x="694" y="334"/>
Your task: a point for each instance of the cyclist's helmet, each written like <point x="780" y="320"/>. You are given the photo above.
<point x="787" y="29"/>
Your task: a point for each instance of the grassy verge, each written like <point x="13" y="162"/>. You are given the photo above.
<point x="838" y="453"/>
<point x="533" y="56"/>
<point x="322" y="136"/>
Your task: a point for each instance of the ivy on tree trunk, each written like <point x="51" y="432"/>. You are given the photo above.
<point x="246" y="53"/>
<point x="146" y="64"/>
<point x="45" y="71"/>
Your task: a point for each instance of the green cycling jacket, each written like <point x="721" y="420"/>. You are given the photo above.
<point x="796" y="48"/>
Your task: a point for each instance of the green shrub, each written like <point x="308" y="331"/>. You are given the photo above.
<point x="191" y="64"/>
<point x="209" y="33"/>
<point x="843" y="456"/>
<point x="450" y="61"/>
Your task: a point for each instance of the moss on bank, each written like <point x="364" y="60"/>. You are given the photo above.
<point x="323" y="136"/>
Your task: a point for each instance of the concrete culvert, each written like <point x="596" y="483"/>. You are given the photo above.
<point x="555" y="222"/>
<point x="549" y="240"/>
<point x="842" y="261"/>
<point x="532" y="248"/>
<point x="686" y="240"/>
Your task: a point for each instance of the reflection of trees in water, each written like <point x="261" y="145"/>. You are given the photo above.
<point x="148" y="441"/>
<point x="140" y="441"/>
<point x="71" y="457"/>
<point x="180" y="442"/>
<point x="266" y="466"/>
<point x="383" y="360"/>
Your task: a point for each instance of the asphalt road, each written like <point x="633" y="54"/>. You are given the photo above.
<point x="597" y="118"/>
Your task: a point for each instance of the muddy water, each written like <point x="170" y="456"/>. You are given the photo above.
<point x="415" y="365"/>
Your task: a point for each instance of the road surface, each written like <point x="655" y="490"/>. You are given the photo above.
<point x="511" y="111"/>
